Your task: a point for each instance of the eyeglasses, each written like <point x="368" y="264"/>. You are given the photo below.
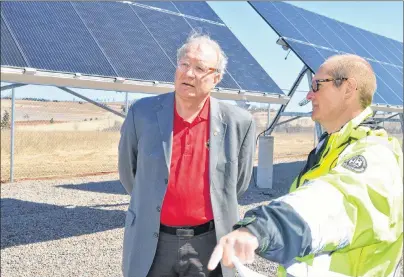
<point x="315" y="84"/>
<point x="198" y="70"/>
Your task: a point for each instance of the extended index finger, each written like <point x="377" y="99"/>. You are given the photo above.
<point x="215" y="257"/>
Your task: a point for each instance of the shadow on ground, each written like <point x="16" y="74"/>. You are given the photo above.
<point x="24" y="222"/>
<point x="283" y="176"/>
<point x="112" y="187"/>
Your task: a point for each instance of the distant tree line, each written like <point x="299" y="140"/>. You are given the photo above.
<point x="5" y="120"/>
<point x="30" y="99"/>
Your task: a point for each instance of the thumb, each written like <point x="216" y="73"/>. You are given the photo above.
<point x="215" y="257"/>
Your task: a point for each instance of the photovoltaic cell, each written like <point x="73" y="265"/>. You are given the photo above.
<point x="122" y="36"/>
<point x="198" y="9"/>
<point x="165" y="5"/>
<point x="314" y="38"/>
<point x="53" y="37"/>
<point x="396" y="72"/>
<point x="10" y="54"/>
<point x="382" y="53"/>
<point x="312" y="55"/>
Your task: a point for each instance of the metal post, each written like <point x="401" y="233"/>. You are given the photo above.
<point x="315" y="137"/>
<point x="283" y="107"/>
<point x="126" y="103"/>
<point x="318" y="128"/>
<point x="402" y="125"/>
<point x="265" y="162"/>
<point x="269" y="119"/>
<point x="12" y="135"/>
<point x="309" y="80"/>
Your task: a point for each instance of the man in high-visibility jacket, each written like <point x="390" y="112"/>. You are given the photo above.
<point x="344" y="213"/>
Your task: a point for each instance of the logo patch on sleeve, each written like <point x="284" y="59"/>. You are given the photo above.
<point x="357" y="164"/>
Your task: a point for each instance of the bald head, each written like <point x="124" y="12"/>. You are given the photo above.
<point x="353" y="66"/>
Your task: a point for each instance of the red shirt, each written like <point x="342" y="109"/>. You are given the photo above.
<point x="187" y="199"/>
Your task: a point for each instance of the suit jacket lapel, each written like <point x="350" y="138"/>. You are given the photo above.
<point x="217" y="132"/>
<point x="165" y="117"/>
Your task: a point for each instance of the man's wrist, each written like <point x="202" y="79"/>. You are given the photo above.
<point x="244" y="222"/>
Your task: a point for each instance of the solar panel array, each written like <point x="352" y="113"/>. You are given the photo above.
<point x="119" y="39"/>
<point x="314" y="38"/>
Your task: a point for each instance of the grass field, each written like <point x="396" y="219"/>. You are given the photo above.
<point x="73" y="153"/>
<point x="83" y="139"/>
<point x="59" y="154"/>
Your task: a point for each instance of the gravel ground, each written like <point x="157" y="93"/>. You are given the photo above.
<point x="74" y="227"/>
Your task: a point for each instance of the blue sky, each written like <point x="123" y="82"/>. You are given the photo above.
<point x="381" y="17"/>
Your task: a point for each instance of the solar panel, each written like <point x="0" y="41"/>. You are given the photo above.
<point x="53" y="37"/>
<point x="10" y="54"/>
<point x="314" y="38"/>
<point x="240" y="60"/>
<point x="198" y="9"/>
<point x="122" y="36"/>
<point x="170" y="31"/>
<point x="126" y="39"/>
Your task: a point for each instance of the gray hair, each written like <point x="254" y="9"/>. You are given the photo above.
<point x="198" y="38"/>
<point x="353" y="66"/>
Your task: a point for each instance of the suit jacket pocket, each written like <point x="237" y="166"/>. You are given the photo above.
<point x="130" y="218"/>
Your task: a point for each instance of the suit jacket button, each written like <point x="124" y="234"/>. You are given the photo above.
<point x="166" y="181"/>
<point x="156" y="235"/>
<point x="158" y="209"/>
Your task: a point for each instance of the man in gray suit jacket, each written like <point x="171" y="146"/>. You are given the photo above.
<point x="184" y="158"/>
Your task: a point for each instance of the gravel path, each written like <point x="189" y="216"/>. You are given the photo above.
<point x="74" y="227"/>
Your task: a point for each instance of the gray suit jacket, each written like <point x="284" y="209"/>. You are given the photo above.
<point x="144" y="163"/>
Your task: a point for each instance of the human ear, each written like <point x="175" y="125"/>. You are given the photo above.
<point x="217" y="78"/>
<point x="352" y="87"/>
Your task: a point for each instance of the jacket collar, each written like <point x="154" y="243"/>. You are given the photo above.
<point x="345" y="132"/>
<point x="165" y="116"/>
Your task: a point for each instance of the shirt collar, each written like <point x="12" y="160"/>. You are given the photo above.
<point x="203" y="113"/>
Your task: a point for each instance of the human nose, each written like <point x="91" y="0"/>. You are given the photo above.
<point x="310" y="95"/>
<point x="190" y="72"/>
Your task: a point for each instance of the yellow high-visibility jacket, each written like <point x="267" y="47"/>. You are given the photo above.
<point x="344" y="213"/>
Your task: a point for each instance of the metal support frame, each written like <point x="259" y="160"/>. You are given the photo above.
<point x="318" y="129"/>
<point x="126" y="102"/>
<point x="12" y="130"/>
<point x="12" y="86"/>
<point x="93" y="102"/>
<point x="387" y="119"/>
<point x="269" y="118"/>
<point x="72" y="80"/>
<point x="296" y="114"/>
<point x="287" y="120"/>
<point x="295" y="85"/>
<point x="266" y="142"/>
